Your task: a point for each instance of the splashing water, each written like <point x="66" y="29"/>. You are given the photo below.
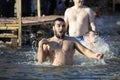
<point x="34" y="46"/>
<point x="100" y="46"/>
<point x="29" y="55"/>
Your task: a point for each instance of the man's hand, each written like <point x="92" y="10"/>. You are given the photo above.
<point x="99" y="56"/>
<point x="44" y="43"/>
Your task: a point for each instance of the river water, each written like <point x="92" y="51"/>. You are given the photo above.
<point x="21" y="64"/>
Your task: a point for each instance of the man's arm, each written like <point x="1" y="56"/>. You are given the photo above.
<point x="42" y="51"/>
<point x="93" y="25"/>
<point x="66" y="21"/>
<point x="92" y="19"/>
<point x="87" y="52"/>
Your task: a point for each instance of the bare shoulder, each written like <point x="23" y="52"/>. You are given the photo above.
<point x="69" y="10"/>
<point x="87" y="9"/>
<point x="50" y="39"/>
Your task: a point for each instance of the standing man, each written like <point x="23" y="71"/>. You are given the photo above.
<point x="60" y="49"/>
<point x="78" y="19"/>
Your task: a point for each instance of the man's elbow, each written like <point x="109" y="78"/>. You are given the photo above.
<point x="40" y="60"/>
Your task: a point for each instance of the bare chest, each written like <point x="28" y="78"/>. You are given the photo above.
<point x="61" y="46"/>
<point x="79" y="15"/>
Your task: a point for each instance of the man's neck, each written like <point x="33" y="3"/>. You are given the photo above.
<point x="59" y="41"/>
<point x="78" y="7"/>
<point x="56" y="38"/>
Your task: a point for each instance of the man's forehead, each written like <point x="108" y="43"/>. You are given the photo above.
<point x="59" y="22"/>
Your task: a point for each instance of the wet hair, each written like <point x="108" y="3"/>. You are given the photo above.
<point x="58" y="19"/>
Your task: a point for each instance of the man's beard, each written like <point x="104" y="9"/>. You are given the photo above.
<point x="59" y="36"/>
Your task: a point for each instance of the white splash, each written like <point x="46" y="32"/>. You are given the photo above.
<point x="100" y="46"/>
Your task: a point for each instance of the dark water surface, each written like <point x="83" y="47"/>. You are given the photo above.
<point x="21" y="64"/>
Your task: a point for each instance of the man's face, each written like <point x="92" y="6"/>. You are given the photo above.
<point x="59" y="29"/>
<point x="78" y="2"/>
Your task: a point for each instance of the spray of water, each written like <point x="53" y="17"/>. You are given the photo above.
<point x="28" y="56"/>
<point x="100" y="46"/>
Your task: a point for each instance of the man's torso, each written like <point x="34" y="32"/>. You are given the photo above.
<point x="78" y="21"/>
<point x="61" y="52"/>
